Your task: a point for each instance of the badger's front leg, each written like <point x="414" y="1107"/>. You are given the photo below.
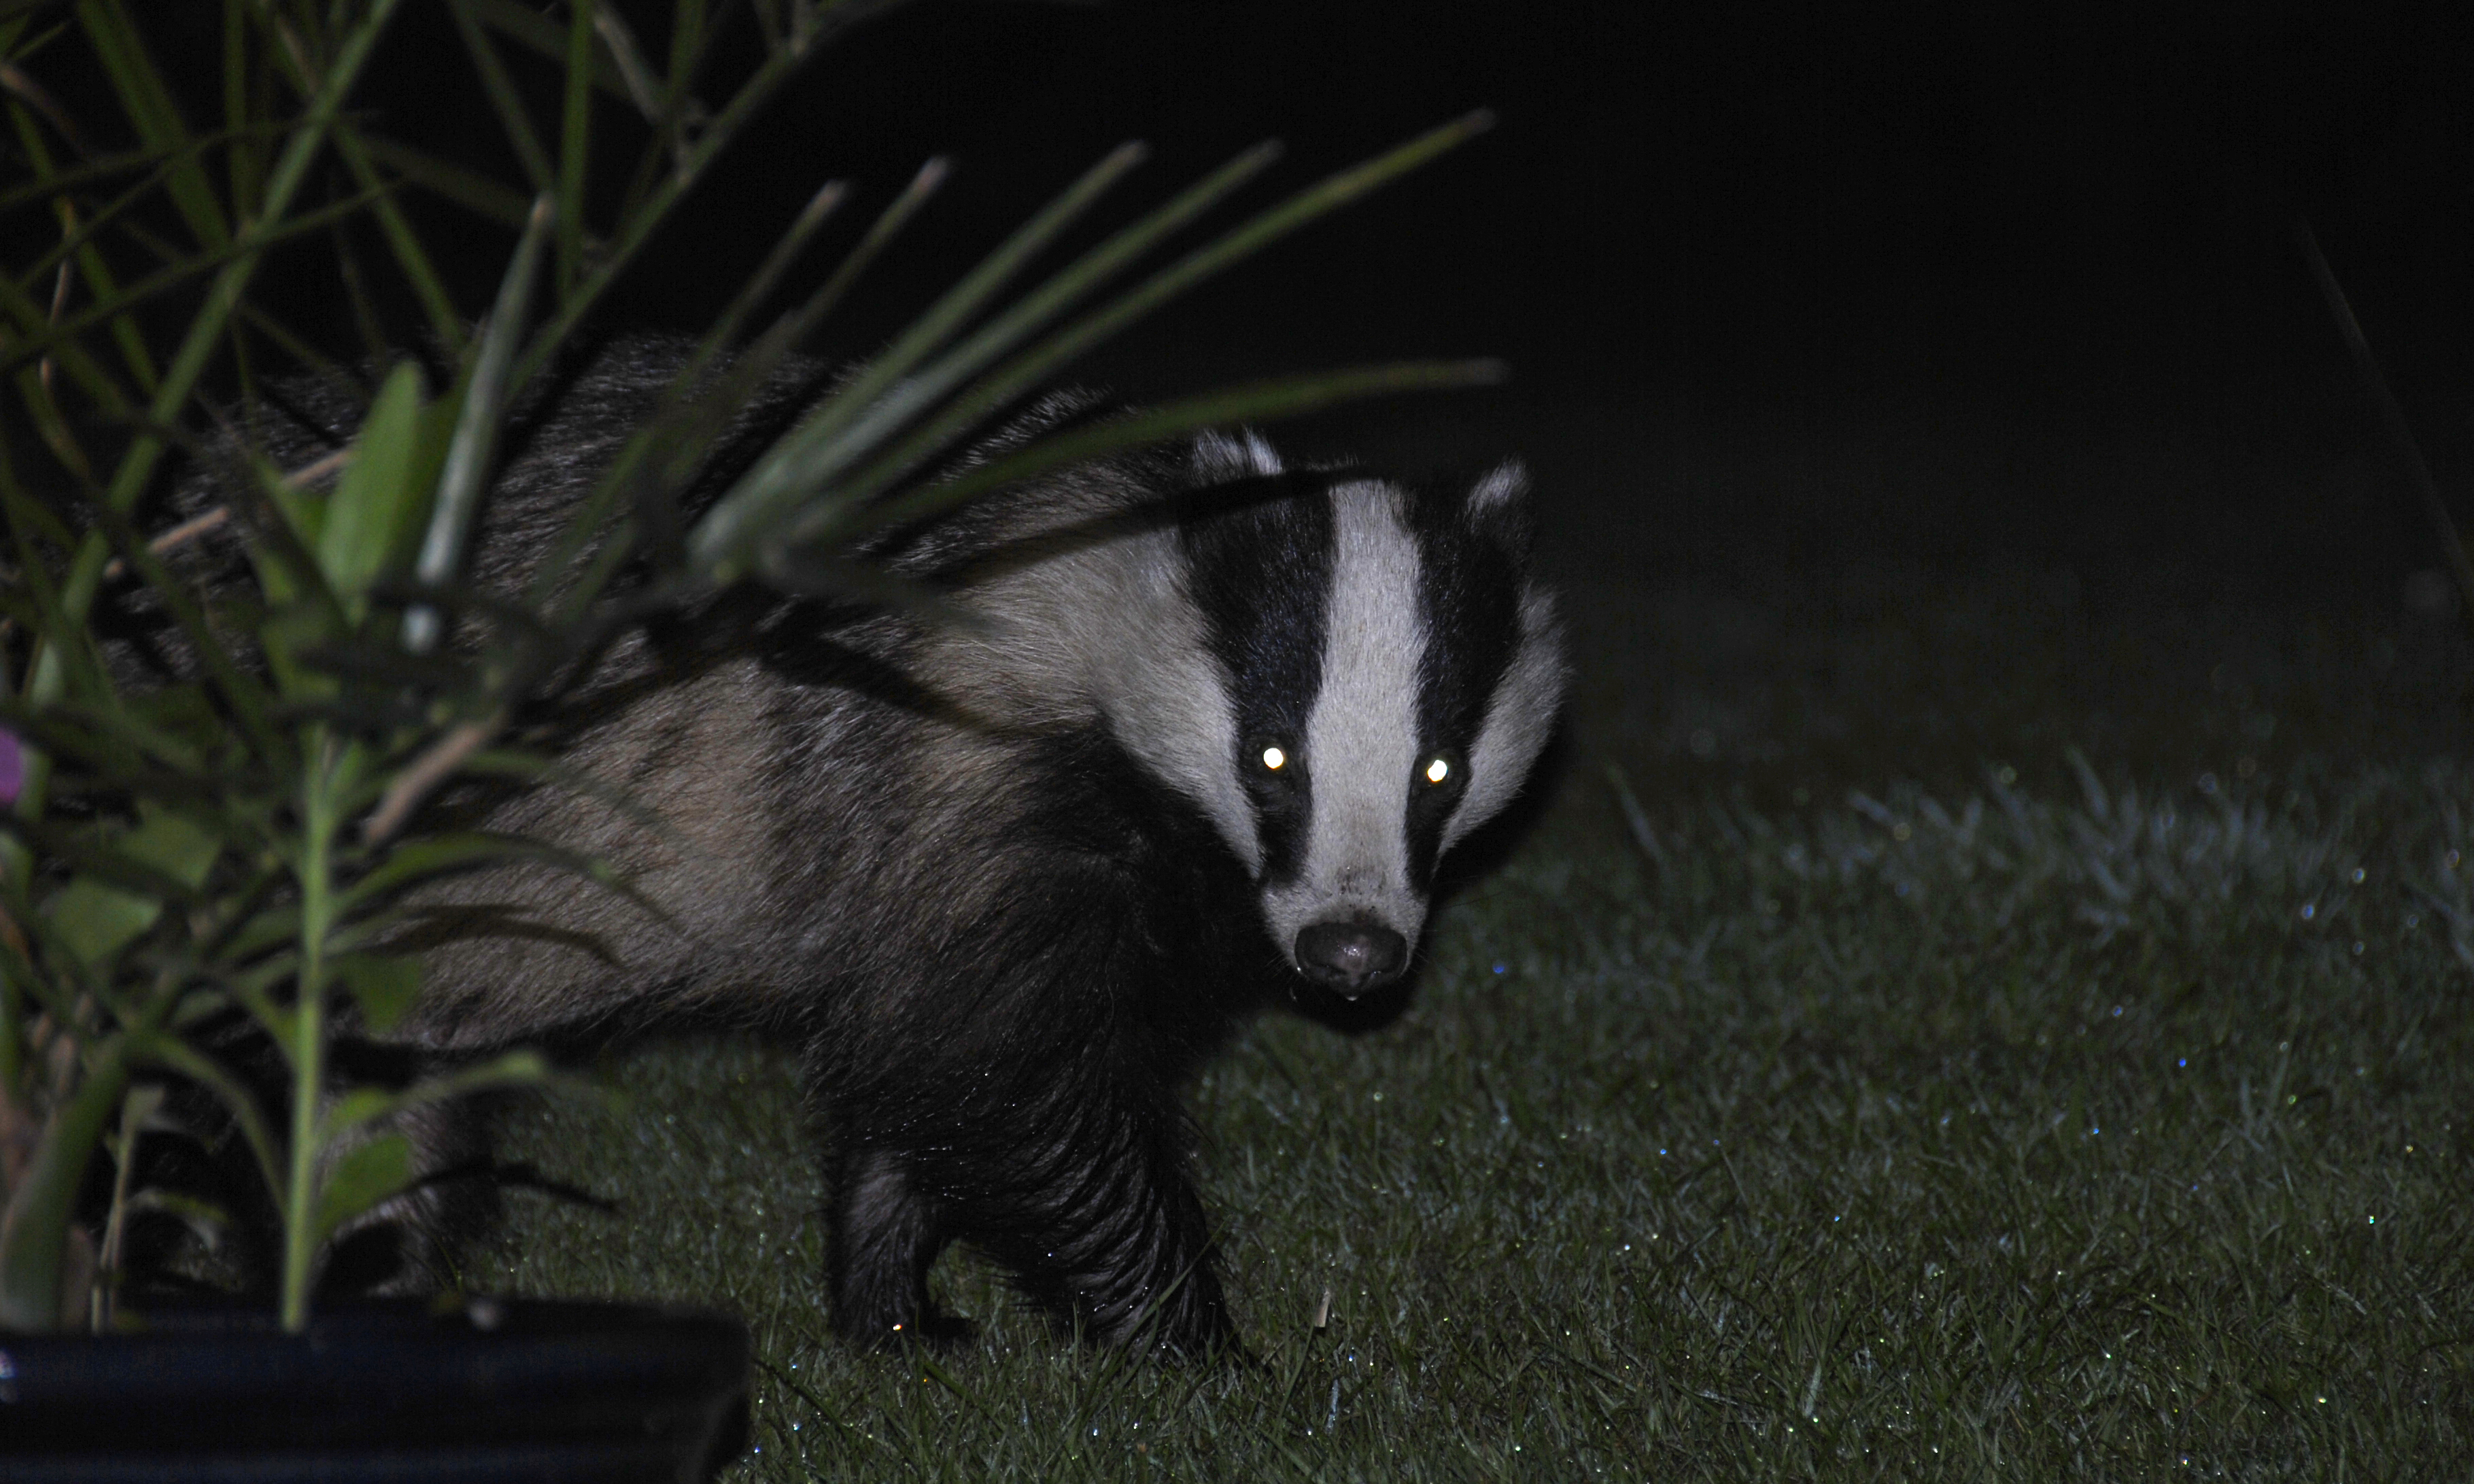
<point x="887" y="1231"/>
<point x="1081" y="1190"/>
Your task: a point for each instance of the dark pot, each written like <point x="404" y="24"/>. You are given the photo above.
<point x="497" y="1390"/>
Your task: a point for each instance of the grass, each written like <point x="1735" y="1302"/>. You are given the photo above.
<point x="2036" y="1128"/>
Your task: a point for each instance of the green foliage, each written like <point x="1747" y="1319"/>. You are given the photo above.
<point x="241" y="839"/>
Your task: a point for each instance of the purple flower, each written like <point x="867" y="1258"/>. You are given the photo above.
<point x="12" y="768"/>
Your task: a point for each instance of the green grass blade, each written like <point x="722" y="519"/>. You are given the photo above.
<point x="878" y="400"/>
<point x="512" y="120"/>
<point x="477" y="193"/>
<point x="531" y="28"/>
<point x="1033" y="367"/>
<point x="686" y="425"/>
<point x="1253" y="401"/>
<point x="53" y="180"/>
<point x="121" y="47"/>
<point x="690" y="433"/>
<point x="619" y="43"/>
<point x="242" y="691"/>
<point x="476" y="427"/>
<point x="53" y="336"/>
<point x="638" y="225"/>
<point x="688" y="37"/>
<point x="246" y="98"/>
<point x="90" y="264"/>
<point x="403" y="244"/>
<point x="189" y="362"/>
<point x="574" y="142"/>
<point x="89" y="226"/>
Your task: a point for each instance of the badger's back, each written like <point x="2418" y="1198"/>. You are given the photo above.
<point x="846" y="796"/>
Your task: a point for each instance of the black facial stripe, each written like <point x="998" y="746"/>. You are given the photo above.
<point x="1470" y="593"/>
<point x="1259" y="558"/>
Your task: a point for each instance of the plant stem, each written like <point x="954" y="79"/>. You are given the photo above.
<point x="322" y="789"/>
<point x="33" y="1231"/>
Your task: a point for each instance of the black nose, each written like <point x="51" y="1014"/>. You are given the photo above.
<point x="1351" y="957"/>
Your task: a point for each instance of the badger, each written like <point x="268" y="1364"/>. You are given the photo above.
<point x="1204" y="732"/>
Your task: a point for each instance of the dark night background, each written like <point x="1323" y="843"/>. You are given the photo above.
<point x="1924" y="276"/>
<point x="1819" y="315"/>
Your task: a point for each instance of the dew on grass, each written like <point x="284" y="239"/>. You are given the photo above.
<point x="2310" y="910"/>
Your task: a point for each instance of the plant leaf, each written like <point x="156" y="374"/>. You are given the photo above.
<point x="384" y="986"/>
<point x="366" y="1177"/>
<point x="173" y="845"/>
<point x="513" y="1069"/>
<point x="383" y="495"/>
<point x="1252" y="401"/>
<point x="96" y="921"/>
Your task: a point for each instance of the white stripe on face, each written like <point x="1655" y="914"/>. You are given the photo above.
<point x="1361" y="742"/>
<point x="1527" y="699"/>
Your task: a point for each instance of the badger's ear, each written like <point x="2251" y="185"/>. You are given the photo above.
<point x="1498" y="504"/>
<point x="1222" y="459"/>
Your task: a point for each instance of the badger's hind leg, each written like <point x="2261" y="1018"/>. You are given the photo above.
<point x="887" y="1233"/>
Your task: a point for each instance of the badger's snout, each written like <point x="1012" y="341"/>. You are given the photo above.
<point x="1351" y="957"/>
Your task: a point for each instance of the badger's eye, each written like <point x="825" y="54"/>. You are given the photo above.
<point x="1437" y="769"/>
<point x="1274" y="759"/>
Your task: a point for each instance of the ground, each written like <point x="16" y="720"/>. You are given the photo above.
<point x="1999" y="1016"/>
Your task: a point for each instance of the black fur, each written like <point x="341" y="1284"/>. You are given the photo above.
<point x="1470" y="600"/>
<point x="1034" y="1112"/>
<point x="1262" y="567"/>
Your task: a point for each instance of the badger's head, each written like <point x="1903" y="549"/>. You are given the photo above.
<point x="1387" y="675"/>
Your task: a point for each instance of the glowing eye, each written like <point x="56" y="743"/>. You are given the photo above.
<point x="1272" y="758"/>
<point x="1438" y="770"/>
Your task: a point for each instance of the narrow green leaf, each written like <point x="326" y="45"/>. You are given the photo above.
<point x="574" y="142"/>
<point x="480" y="194"/>
<point x="468" y="458"/>
<point x="879" y="401"/>
<point x="403" y="244"/>
<point x="55" y="337"/>
<point x="503" y="97"/>
<point x="533" y="28"/>
<point x="1255" y="401"/>
<point x="512" y="1069"/>
<point x="120" y="45"/>
<point x="1037" y="365"/>
<point x="384" y="494"/>
<point x="638" y="225"/>
<point x="660" y="459"/>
